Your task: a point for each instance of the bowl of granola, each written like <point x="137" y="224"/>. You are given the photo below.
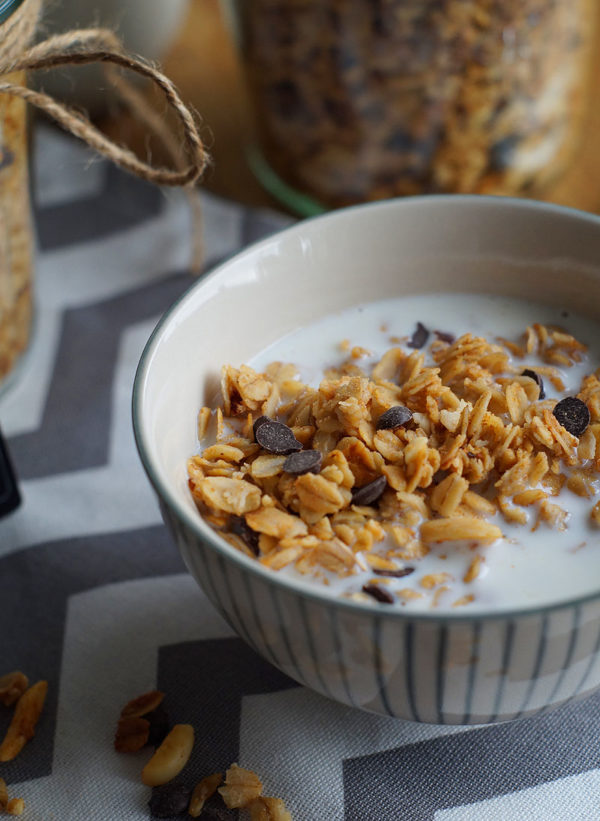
<point x="375" y="438"/>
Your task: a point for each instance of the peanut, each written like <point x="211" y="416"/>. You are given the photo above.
<point x="171" y="757"/>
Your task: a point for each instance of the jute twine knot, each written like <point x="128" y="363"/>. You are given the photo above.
<point x="98" y="45"/>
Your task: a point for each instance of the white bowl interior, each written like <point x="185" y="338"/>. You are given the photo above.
<point x="433" y="244"/>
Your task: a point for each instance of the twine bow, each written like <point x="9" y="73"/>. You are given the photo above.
<point x="98" y="45"/>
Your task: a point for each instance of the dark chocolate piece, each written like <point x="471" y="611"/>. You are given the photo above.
<point x="159" y="725"/>
<point x="383" y="596"/>
<point x="169" y="800"/>
<point x="394" y="574"/>
<point x="419" y="338"/>
<point x="258" y="422"/>
<point x="395" y="417"/>
<point x="303" y="461"/>
<point x="216" y="813"/>
<point x="536" y="378"/>
<point x="10" y="498"/>
<point x="445" y="337"/>
<point x="239" y="526"/>
<point x="367" y="494"/>
<point x="275" y="437"/>
<point x="573" y="415"/>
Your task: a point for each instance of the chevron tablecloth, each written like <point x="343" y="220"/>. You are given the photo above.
<point x="95" y="599"/>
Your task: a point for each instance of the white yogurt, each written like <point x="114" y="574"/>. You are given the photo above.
<point x="524" y="568"/>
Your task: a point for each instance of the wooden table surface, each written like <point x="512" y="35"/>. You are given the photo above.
<point x="202" y="62"/>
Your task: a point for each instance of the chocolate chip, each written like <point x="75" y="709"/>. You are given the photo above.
<point x="536" y="378"/>
<point x="159" y="725"/>
<point x="367" y="494"/>
<point x="239" y="526"/>
<point x="303" y="461"/>
<point x="275" y="437"/>
<point x="169" y="800"/>
<point x="573" y="415"/>
<point x="445" y="337"/>
<point x="384" y="596"/>
<point x="395" y="417"/>
<point x="258" y="422"/>
<point x="216" y="813"/>
<point x="395" y="574"/>
<point x="419" y="338"/>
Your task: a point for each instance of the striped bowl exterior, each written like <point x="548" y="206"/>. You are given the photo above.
<point x="470" y="671"/>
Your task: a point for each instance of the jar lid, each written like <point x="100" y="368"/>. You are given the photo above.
<point x="7" y="7"/>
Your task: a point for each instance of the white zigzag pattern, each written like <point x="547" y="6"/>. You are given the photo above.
<point x="116" y="496"/>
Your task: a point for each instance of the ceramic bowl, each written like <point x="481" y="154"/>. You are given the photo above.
<point x="455" y="668"/>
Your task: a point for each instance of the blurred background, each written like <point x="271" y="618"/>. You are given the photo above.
<point x="545" y="112"/>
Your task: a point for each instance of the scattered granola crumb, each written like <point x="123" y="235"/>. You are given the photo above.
<point x="203" y="790"/>
<point x="25" y="718"/>
<point x="241" y="787"/>
<point x="268" y="809"/>
<point x="12" y="687"/>
<point x="15" y="806"/>
<point x="132" y="734"/>
<point x="142" y="705"/>
<point x="11" y="806"/>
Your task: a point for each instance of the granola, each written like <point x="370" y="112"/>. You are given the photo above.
<point x="25" y="718"/>
<point x="419" y="451"/>
<point x="242" y="788"/>
<point x="369" y="100"/>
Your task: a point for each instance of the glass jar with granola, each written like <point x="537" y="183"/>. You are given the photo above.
<point x="17" y="22"/>
<point x="380" y="98"/>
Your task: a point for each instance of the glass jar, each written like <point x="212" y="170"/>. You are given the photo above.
<point x="360" y="100"/>
<point x="16" y="233"/>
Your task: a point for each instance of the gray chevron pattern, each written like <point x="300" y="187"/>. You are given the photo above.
<point x="94" y="597"/>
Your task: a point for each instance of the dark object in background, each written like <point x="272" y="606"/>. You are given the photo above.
<point x="10" y="498"/>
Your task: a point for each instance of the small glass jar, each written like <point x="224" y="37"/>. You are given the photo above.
<point x="16" y="232"/>
<point x="371" y="99"/>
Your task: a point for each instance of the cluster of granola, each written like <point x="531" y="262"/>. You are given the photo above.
<point x="144" y="721"/>
<point x="28" y="702"/>
<point x="370" y="470"/>
<point x="375" y="99"/>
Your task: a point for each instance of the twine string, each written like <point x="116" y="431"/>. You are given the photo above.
<point x="98" y="45"/>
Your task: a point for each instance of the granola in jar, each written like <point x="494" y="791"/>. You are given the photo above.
<point x="379" y="98"/>
<point x="17" y="24"/>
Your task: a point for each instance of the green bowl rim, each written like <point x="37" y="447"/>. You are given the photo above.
<point x="204" y="532"/>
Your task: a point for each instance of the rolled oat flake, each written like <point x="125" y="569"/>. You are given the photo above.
<point x="383" y="596"/>
<point x="303" y="461"/>
<point x="395" y="417"/>
<point x="573" y="414"/>
<point x="536" y="378"/>
<point x="367" y="494"/>
<point x="275" y="437"/>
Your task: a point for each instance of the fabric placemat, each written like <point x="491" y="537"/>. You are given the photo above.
<point x="95" y="599"/>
